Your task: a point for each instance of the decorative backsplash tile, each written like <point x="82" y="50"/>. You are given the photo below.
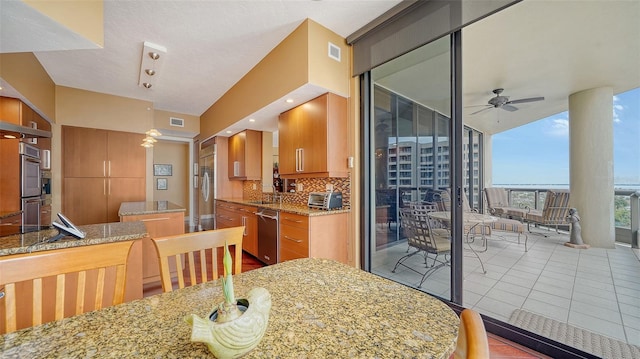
<point x="300" y="197"/>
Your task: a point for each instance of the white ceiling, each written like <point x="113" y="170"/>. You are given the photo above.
<point x="549" y="48"/>
<point x="210" y="44"/>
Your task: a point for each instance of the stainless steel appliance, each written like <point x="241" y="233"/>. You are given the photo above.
<point x="207" y="184"/>
<point x="325" y="200"/>
<point x="268" y="235"/>
<point x="30" y="187"/>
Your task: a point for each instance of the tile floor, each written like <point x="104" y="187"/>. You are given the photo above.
<point x="595" y="289"/>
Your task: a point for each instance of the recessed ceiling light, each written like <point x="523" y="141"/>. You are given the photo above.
<point x="289" y="100"/>
<point x="9" y="136"/>
<point x="252" y="120"/>
<point x="228" y="131"/>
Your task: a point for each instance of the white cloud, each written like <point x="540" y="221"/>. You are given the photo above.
<point x="617" y="109"/>
<point x="558" y="127"/>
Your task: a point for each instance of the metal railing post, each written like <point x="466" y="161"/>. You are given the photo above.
<point x="635" y="218"/>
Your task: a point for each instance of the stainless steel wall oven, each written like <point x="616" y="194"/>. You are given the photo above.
<point x="30" y="187"/>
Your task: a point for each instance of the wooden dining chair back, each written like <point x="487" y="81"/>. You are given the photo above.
<point x="80" y="275"/>
<point x="472" y="337"/>
<point x="175" y="252"/>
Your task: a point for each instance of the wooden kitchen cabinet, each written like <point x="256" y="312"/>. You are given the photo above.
<point x="157" y="225"/>
<point x="101" y="169"/>
<point x="312" y="138"/>
<point x="235" y="215"/>
<point x="245" y="155"/>
<point x="10" y="225"/>
<point x="313" y="236"/>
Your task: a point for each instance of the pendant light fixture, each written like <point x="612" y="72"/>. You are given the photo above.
<point x="151" y="138"/>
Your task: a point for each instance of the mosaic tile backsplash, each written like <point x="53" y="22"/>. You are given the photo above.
<point x="308" y="185"/>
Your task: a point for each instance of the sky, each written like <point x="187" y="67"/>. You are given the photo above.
<point x="538" y="153"/>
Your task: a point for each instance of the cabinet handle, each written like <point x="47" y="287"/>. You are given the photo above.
<point x="292" y="220"/>
<point x="109" y="193"/>
<point x="109" y="168"/>
<point x="104" y="187"/>
<point x="155" y="219"/>
<point x="301" y="159"/>
<point x="293" y="239"/>
<point x="104" y="168"/>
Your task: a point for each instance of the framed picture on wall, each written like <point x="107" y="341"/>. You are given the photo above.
<point x="163" y="170"/>
<point x="161" y="184"/>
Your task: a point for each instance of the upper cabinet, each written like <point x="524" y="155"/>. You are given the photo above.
<point x="101" y="169"/>
<point x="313" y="138"/>
<point x="245" y="155"/>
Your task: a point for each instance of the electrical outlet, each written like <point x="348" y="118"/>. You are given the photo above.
<point x="299" y="187"/>
<point x="253" y="186"/>
<point x="329" y="187"/>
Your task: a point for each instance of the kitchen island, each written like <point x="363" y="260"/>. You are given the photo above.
<point x="160" y="218"/>
<point x="320" y="309"/>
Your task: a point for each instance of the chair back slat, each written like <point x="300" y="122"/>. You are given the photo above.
<point x="203" y="266"/>
<point x="67" y="265"/>
<point x="186" y="244"/>
<point x="60" y="286"/>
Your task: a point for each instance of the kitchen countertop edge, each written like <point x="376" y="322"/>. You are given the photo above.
<point x="286" y="207"/>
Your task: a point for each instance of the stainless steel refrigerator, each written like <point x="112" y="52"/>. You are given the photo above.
<point x="207" y="185"/>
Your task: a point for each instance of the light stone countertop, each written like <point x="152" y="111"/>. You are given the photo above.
<point x="320" y="309"/>
<point x="301" y="209"/>
<point x="151" y="207"/>
<point x="95" y="234"/>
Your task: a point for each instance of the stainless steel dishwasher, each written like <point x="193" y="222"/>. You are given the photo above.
<point x="268" y="235"/>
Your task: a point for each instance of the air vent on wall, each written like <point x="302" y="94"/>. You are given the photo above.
<point x="334" y="52"/>
<point x="177" y="122"/>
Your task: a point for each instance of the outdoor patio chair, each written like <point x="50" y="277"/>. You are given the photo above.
<point x="425" y="239"/>
<point x="554" y="212"/>
<point x="499" y="206"/>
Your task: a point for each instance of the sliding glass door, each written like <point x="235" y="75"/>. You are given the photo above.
<point x="411" y="163"/>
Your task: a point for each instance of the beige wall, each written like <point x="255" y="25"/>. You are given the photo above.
<point x="191" y="123"/>
<point x="177" y="155"/>
<point x="323" y="70"/>
<point x="25" y="74"/>
<point x="85" y="18"/>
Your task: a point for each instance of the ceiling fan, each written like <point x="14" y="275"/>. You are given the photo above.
<point x="503" y="102"/>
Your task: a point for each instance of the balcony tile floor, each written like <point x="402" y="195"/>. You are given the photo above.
<point x="595" y="289"/>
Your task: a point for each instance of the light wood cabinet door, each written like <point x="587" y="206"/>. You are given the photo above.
<point x="10" y="110"/>
<point x="84" y="152"/>
<point x="288" y="141"/>
<point x="312" y="138"/>
<point x="84" y="200"/>
<point x="125" y="156"/>
<point x="245" y="155"/>
<point x="123" y="190"/>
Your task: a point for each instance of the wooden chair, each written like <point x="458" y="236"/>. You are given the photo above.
<point x="173" y="248"/>
<point x="86" y="270"/>
<point x="472" y="337"/>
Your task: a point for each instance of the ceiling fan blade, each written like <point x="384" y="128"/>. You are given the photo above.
<point x="484" y="109"/>
<point x="509" y="108"/>
<point x="523" y="100"/>
<point x="476" y="106"/>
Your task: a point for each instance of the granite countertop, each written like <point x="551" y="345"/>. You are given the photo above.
<point x="153" y="207"/>
<point x="95" y="234"/>
<point x="302" y="209"/>
<point x="320" y="309"/>
<point x="9" y="214"/>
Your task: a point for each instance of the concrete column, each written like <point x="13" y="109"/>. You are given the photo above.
<point x="591" y="164"/>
